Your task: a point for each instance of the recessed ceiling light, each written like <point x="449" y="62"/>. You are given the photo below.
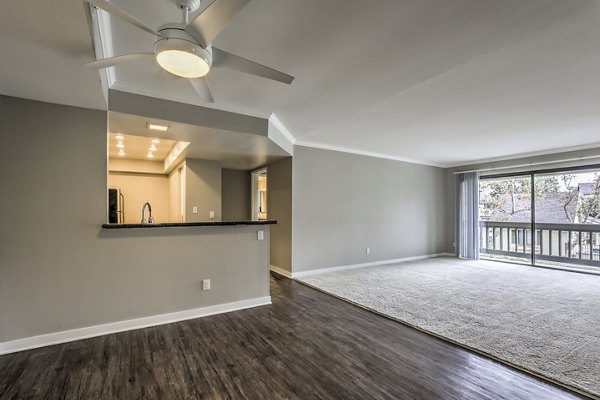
<point x="119" y="136"/>
<point x="156" y="127"/>
<point x="155" y="141"/>
<point x="121" y="153"/>
<point x="153" y="148"/>
<point x="120" y="145"/>
<point x="150" y="155"/>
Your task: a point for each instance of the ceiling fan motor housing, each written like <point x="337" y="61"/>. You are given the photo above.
<point x="174" y="37"/>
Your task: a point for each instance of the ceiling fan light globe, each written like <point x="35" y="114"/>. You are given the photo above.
<point x="180" y="63"/>
<point x="182" y="58"/>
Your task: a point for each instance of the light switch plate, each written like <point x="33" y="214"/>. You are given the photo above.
<point x="261" y="235"/>
<point x="211" y="214"/>
<point x="195" y="209"/>
<point x="206" y="284"/>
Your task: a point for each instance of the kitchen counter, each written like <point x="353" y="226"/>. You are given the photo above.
<point x="186" y="224"/>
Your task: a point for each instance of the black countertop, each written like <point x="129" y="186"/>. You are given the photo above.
<point x="184" y="224"/>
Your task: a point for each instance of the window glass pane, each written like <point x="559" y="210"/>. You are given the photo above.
<point x="567" y="219"/>
<point x="505" y="219"/>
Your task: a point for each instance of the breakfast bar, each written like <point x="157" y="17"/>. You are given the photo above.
<point x="186" y="224"/>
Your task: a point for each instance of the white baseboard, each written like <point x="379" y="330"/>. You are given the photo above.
<point x="303" y="274"/>
<point x="132" y="324"/>
<point x="282" y="272"/>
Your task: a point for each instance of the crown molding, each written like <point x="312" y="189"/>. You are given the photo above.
<point x="316" y="145"/>
<point x="515" y="157"/>
<point x="284" y="131"/>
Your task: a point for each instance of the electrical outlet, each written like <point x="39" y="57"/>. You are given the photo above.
<point x="211" y="214"/>
<point x="206" y="284"/>
<point x="261" y="235"/>
<point x="195" y="209"/>
<point x="368" y="250"/>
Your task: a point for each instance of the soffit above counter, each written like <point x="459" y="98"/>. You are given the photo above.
<point x="155" y="108"/>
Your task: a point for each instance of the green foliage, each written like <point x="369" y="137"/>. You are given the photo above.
<point x="589" y="204"/>
<point x="512" y="195"/>
<point x="589" y="207"/>
<point x="494" y="192"/>
<point x="546" y="184"/>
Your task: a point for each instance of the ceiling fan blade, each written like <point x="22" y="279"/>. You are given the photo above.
<point x="206" y="26"/>
<point x="112" y="61"/>
<point x="223" y="59"/>
<point x="202" y="87"/>
<point x="124" y="15"/>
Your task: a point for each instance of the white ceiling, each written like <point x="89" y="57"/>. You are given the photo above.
<point x="443" y="82"/>
<point x="43" y="45"/>
<point x="138" y="147"/>
<point x="233" y="149"/>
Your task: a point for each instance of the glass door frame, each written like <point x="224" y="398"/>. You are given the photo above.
<point x="531" y="174"/>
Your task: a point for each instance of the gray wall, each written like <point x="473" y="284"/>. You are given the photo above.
<point x="344" y="203"/>
<point x="235" y="195"/>
<point x="279" y="203"/>
<point x="565" y="159"/>
<point x="202" y="189"/>
<point x="59" y="270"/>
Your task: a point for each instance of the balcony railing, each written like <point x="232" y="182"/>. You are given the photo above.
<point x="559" y="243"/>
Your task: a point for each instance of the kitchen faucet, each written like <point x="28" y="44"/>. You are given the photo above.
<point x="150" y="219"/>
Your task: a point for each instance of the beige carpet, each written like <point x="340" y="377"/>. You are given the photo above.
<point x="544" y="321"/>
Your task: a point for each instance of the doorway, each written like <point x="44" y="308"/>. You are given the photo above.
<point x="259" y="194"/>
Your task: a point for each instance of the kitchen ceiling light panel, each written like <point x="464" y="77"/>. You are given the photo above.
<point x="156" y="127"/>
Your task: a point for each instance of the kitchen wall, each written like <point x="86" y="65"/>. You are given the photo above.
<point x="279" y="200"/>
<point x="59" y="270"/>
<point x="235" y="195"/>
<point x="142" y="181"/>
<point x="139" y="188"/>
<point x="176" y="193"/>
<point x="344" y="203"/>
<point x="203" y="189"/>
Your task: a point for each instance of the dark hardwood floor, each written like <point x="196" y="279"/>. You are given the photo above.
<point x="307" y="345"/>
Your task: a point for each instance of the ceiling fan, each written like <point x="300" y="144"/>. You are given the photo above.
<point x="184" y="49"/>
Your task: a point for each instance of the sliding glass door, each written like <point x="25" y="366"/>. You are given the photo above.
<point x="549" y="219"/>
<point x="567" y="219"/>
<point x="505" y="218"/>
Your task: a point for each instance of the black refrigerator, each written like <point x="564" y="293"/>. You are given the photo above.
<point x="116" y="207"/>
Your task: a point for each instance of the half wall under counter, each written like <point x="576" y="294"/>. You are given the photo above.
<point x="135" y="278"/>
